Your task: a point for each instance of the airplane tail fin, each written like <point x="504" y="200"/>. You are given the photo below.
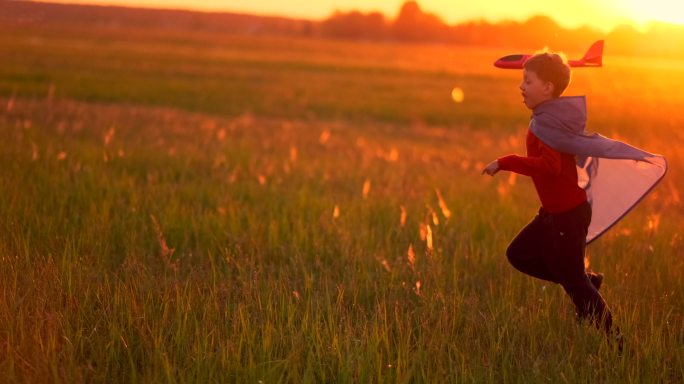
<point x="594" y="56"/>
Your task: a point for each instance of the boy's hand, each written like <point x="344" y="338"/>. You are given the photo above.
<point x="492" y="168"/>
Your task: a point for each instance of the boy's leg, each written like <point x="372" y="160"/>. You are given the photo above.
<point x="596" y="279"/>
<point x="527" y="250"/>
<point x="567" y="265"/>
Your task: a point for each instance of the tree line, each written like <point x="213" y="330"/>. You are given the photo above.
<point x="412" y="24"/>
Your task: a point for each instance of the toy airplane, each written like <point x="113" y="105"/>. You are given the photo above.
<point x="593" y="58"/>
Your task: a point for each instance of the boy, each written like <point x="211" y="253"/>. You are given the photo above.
<point x="551" y="247"/>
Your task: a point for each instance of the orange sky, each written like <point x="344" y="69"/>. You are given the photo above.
<point x="604" y="14"/>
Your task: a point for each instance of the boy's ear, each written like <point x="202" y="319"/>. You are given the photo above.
<point x="548" y="88"/>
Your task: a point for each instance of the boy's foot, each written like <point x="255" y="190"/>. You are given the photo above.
<point x="616" y="339"/>
<point x="596" y="279"/>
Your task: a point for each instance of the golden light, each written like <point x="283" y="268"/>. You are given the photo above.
<point x="457" y="95"/>
<point x="644" y="11"/>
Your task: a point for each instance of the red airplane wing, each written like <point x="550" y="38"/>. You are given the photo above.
<point x="593" y="58"/>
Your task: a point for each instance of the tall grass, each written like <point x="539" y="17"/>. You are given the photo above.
<point x="198" y="229"/>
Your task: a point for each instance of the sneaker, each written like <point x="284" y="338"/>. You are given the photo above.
<point x="596" y="279"/>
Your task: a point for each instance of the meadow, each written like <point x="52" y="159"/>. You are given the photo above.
<point x="188" y="207"/>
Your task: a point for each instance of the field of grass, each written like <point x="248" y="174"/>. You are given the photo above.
<point x="181" y="207"/>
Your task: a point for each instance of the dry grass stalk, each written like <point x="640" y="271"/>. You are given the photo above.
<point x="402" y="219"/>
<point x="442" y="205"/>
<point x="166" y="252"/>
<point x="366" y="188"/>
<point x="411" y="255"/>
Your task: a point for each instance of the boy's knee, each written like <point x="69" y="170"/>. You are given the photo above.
<point x="513" y="256"/>
<point x="512" y="251"/>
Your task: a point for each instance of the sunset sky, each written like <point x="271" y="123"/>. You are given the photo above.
<point x="604" y="14"/>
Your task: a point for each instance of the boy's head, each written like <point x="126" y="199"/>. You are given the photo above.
<point x="546" y="75"/>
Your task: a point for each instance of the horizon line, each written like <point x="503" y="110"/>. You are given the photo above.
<point x="640" y="27"/>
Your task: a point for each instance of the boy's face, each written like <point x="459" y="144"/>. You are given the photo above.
<point x="535" y="90"/>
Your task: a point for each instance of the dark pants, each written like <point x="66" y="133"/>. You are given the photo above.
<point x="551" y="247"/>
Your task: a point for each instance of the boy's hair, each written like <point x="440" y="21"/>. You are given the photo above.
<point x="551" y="67"/>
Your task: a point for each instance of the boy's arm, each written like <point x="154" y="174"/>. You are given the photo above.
<point x="548" y="163"/>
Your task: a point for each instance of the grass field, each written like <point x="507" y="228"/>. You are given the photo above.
<point x="183" y="207"/>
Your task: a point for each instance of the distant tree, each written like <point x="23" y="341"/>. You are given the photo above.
<point x="664" y="38"/>
<point x="355" y="25"/>
<point x="539" y="31"/>
<point x="412" y="24"/>
<point x="625" y="39"/>
<point x="307" y="28"/>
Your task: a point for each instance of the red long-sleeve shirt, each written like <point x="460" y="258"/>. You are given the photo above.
<point x="553" y="173"/>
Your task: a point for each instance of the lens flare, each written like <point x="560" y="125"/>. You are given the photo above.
<point x="457" y="95"/>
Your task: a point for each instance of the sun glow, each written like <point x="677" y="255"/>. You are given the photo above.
<point x="643" y="11"/>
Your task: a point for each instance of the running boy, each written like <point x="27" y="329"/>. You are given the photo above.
<point x="551" y="247"/>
